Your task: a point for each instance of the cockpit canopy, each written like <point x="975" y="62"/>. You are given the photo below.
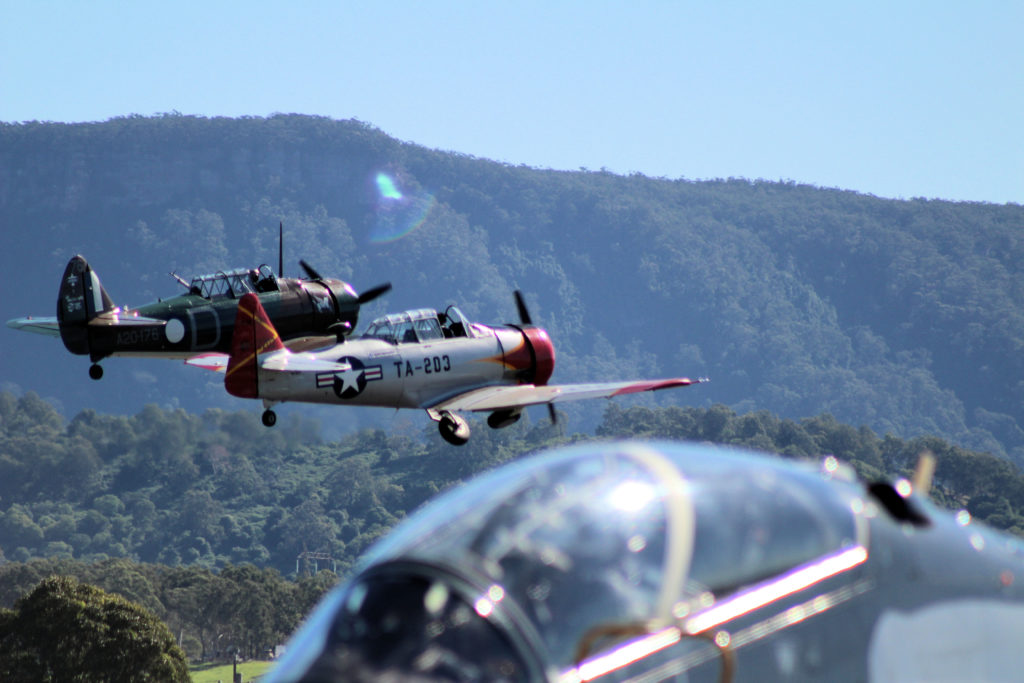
<point x="234" y="283"/>
<point x="553" y="551"/>
<point x="419" y="325"/>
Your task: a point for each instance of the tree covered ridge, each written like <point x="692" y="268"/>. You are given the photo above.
<point x="906" y="316"/>
<point x="218" y="489"/>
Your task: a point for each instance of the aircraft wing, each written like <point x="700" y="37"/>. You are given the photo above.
<point x="312" y="343"/>
<point x="278" y="361"/>
<point x="499" y="397"/>
<point x="284" y="361"/>
<point x="44" y="325"/>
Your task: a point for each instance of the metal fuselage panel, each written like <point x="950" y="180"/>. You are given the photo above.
<point x="410" y="375"/>
<point x="194" y="324"/>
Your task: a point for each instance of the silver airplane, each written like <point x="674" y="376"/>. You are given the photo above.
<point x="673" y="562"/>
<point x="421" y="358"/>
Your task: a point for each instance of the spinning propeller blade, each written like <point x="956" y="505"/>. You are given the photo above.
<point x="310" y="271"/>
<point x="524" y="314"/>
<point x="371" y="294"/>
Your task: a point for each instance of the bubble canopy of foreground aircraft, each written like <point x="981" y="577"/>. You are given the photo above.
<point x="651" y="562"/>
<point x="199" y="321"/>
<point x="421" y="358"/>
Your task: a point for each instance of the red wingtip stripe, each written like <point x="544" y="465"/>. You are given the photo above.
<point x="655" y="385"/>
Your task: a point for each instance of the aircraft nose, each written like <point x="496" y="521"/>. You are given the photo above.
<point x="543" y="354"/>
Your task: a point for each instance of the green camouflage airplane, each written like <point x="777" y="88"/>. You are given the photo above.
<point x="307" y="312"/>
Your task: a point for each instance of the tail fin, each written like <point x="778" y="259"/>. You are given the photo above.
<point x="254" y="334"/>
<point x="81" y="299"/>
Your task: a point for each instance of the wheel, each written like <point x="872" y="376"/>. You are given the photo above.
<point x="453" y="429"/>
<point x="269" y="418"/>
<point x="96" y="371"/>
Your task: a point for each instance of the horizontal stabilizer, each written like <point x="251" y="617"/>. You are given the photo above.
<point x="37" y="325"/>
<point x="119" y="318"/>
<point x="218" y="362"/>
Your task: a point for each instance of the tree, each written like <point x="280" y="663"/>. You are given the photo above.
<point x="69" y="631"/>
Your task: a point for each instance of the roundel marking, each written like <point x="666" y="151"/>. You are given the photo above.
<point x="174" y="330"/>
<point x="350" y="383"/>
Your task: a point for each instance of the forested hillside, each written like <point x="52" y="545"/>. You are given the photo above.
<point x="905" y="316"/>
<point x="208" y="490"/>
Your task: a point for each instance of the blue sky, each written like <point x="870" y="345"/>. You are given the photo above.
<point x="904" y="99"/>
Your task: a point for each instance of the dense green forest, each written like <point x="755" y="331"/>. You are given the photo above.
<point x="906" y="316"/>
<point x="179" y="489"/>
<point x="229" y="533"/>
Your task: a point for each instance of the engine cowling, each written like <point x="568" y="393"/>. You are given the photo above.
<point x="534" y="359"/>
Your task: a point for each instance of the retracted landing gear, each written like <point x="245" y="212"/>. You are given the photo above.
<point x="96" y="371"/>
<point x="269" y="416"/>
<point x="500" y="419"/>
<point x="454" y="429"/>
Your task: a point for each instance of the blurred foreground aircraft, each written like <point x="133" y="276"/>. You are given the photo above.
<point x="439" y="362"/>
<point x="680" y="562"/>
<point x="308" y="312"/>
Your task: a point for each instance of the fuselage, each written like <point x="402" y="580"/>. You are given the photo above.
<point x="406" y="374"/>
<point x="199" y="321"/>
<point x="197" y="324"/>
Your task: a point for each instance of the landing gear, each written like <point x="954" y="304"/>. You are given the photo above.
<point x="96" y="371"/>
<point x="503" y="418"/>
<point x="453" y="429"/>
<point x="269" y="418"/>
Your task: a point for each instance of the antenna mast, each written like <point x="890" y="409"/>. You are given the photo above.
<point x="280" y="249"/>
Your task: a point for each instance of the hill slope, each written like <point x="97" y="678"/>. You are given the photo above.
<point x="906" y="316"/>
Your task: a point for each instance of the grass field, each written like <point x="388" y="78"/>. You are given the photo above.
<point x="211" y="673"/>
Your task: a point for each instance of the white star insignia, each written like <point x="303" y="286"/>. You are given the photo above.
<point x="349" y="379"/>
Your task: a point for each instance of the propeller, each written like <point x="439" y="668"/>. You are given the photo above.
<point x="371" y="294"/>
<point x="525" y="319"/>
<point x="364" y="298"/>
<point x="524" y="314"/>
<point x="310" y="271"/>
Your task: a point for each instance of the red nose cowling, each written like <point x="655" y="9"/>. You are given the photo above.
<point x="543" y="353"/>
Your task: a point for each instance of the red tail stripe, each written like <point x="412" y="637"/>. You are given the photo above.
<point x="254" y="334"/>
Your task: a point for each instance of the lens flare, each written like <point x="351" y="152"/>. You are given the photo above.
<point x="398" y="213"/>
<point x="387" y="188"/>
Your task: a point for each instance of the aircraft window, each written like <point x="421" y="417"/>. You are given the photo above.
<point x="232" y="284"/>
<point x="405" y="333"/>
<point x="428" y="329"/>
<point x="622" y="534"/>
<point x="455" y="323"/>
<point x="410" y="326"/>
<point x="772" y="524"/>
<point x="266" y="281"/>
<point x="239" y="284"/>
<point x="219" y="287"/>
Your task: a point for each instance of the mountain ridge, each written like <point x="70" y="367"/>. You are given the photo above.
<point x="903" y="315"/>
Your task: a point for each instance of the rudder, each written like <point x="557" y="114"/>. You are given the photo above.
<point x="253" y="335"/>
<point x="80" y="299"/>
